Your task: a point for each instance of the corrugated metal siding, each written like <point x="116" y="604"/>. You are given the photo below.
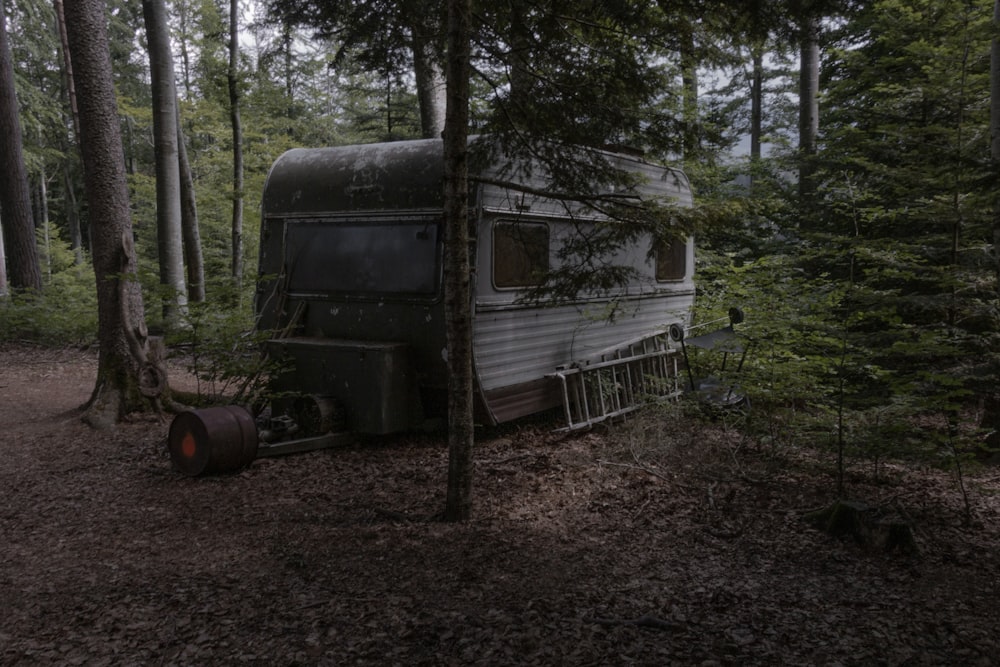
<point x="515" y="345"/>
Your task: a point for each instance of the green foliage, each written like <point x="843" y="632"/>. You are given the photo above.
<point x="224" y="353"/>
<point x="64" y="314"/>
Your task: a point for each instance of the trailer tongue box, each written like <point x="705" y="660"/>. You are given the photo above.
<point x="373" y="382"/>
<point x="350" y="276"/>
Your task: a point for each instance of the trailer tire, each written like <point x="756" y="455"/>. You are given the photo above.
<point x="317" y="415"/>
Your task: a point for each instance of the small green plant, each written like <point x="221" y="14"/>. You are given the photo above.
<point x="225" y="353"/>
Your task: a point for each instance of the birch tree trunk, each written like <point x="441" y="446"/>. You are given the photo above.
<point x="15" y="196"/>
<point x="170" y="247"/>
<point x="123" y="340"/>
<point x="457" y="276"/>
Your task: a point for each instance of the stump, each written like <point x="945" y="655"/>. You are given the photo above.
<point x="866" y="525"/>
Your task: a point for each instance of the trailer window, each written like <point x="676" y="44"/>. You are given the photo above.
<point x="671" y="260"/>
<point x="362" y="257"/>
<point x="520" y="254"/>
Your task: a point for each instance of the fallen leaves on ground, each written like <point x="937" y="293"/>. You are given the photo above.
<point x="660" y="541"/>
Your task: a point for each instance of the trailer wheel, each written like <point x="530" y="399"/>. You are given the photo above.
<point x="316" y="415"/>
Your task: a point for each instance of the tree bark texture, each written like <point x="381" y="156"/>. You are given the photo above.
<point x="808" y="106"/>
<point x="756" y="103"/>
<point x="234" y="117"/>
<point x="69" y="185"/>
<point x="995" y="136"/>
<point x="121" y="321"/>
<point x="193" y="259"/>
<point x="24" y="271"/>
<point x="990" y="420"/>
<point x="3" y="265"/>
<point x="169" y="243"/>
<point x="458" y="289"/>
<point x="67" y="65"/>
<point x="431" y="85"/>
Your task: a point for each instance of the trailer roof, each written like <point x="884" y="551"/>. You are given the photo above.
<point x="401" y="176"/>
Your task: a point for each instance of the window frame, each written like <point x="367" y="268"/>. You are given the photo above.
<point x="680" y="253"/>
<point x="503" y="223"/>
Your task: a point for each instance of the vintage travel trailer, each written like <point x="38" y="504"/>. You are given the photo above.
<point x="350" y="276"/>
<point x="350" y="289"/>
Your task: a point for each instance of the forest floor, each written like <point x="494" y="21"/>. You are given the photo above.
<point x="659" y="541"/>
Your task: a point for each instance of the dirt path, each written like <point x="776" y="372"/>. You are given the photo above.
<point x="109" y="557"/>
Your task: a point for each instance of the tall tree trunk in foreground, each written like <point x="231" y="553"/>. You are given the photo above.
<point x="234" y="116"/>
<point x="121" y="321"/>
<point x="15" y="196"/>
<point x="457" y="275"/>
<point x="995" y="135"/>
<point x="169" y="244"/>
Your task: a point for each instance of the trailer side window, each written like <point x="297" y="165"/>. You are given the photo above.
<point x="671" y="260"/>
<point x="520" y="254"/>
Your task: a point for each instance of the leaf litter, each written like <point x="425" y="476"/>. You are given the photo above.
<point x="658" y="541"/>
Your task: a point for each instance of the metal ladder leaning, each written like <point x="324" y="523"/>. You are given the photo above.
<point x="610" y="387"/>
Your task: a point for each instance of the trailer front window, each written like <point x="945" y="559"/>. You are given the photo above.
<point x="363" y="257"/>
<point x="520" y="254"/>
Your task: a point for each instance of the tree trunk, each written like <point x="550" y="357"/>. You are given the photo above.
<point x="15" y="197"/>
<point x="995" y="136"/>
<point x="3" y="265"/>
<point x="43" y="222"/>
<point x="170" y="245"/>
<point x="72" y="215"/>
<point x="431" y="86"/>
<point x="121" y="321"/>
<point x="182" y="10"/>
<point x="756" y="103"/>
<point x="189" y="223"/>
<point x="990" y="421"/>
<point x="234" y="116"/>
<point x="689" y="86"/>
<point x="808" y="108"/>
<point x="458" y="291"/>
<point x="519" y="55"/>
<point x="67" y="66"/>
<point x="69" y="89"/>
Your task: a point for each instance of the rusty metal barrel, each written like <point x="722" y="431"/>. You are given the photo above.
<point x="212" y="440"/>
